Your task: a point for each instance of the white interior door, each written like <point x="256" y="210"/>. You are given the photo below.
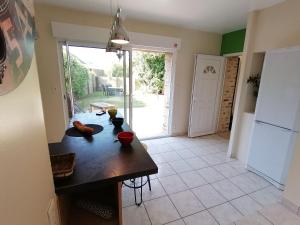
<point x="207" y="85"/>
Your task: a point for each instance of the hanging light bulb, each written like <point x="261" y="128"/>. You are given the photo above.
<point x="112" y="47"/>
<point x="118" y="33"/>
<point x="119" y="54"/>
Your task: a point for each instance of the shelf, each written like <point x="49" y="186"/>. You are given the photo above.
<point x="82" y="217"/>
<point x="108" y="195"/>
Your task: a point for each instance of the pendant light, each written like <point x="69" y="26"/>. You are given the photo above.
<point x="112" y="47"/>
<point x="119" y="34"/>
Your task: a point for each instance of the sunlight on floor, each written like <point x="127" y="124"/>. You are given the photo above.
<point x="150" y="121"/>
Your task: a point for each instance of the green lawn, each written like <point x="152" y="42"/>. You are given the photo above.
<point x="84" y="102"/>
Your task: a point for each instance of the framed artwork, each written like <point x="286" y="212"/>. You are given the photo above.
<point x="17" y="36"/>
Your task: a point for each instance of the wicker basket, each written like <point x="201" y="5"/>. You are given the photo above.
<point x="62" y="165"/>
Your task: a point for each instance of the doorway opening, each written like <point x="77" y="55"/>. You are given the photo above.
<point x="151" y="85"/>
<point x="232" y="67"/>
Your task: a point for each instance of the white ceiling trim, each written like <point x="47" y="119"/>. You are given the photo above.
<point x="218" y="16"/>
<point x="96" y="35"/>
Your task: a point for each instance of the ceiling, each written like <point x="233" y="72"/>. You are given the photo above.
<point x="208" y="15"/>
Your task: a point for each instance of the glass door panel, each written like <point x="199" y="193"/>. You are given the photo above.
<point x="99" y="79"/>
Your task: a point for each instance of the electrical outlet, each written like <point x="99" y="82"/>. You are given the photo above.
<point x="53" y="215"/>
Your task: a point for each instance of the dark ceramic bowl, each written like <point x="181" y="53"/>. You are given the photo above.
<point x="117" y="122"/>
<point x="125" y="137"/>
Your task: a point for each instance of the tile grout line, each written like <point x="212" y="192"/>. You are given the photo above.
<point x="147" y="212"/>
<point x="213" y="217"/>
<point x="182" y="218"/>
<point x="208" y="183"/>
<point x="228" y="201"/>
<point x="187" y="148"/>
<point x="209" y="166"/>
<point x="249" y="194"/>
<point x="205" y="208"/>
<point x="167" y="194"/>
<point x="245" y="194"/>
<point x="265" y="217"/>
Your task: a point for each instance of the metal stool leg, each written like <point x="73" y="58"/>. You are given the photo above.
<point x="141" y="194"/>
<point x="149" y="184"/>
<point x="136" y="187"/>
<point x="134" y="191"/>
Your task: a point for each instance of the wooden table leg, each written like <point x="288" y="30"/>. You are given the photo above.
<point x="119" y="203"/>
<point x="63" y="208"/>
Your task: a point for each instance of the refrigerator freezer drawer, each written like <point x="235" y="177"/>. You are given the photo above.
<point x="271" y="151"/>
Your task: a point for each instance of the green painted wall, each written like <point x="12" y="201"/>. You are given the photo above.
<point x="233" y="42"/>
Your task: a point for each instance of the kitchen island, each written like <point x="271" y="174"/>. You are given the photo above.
<point x="102" y="163"/>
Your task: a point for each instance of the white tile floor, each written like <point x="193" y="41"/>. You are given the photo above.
<point x="198" y="185"/>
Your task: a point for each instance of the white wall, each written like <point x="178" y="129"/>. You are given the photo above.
<point x="245" y="134"/>
<point x="256" y="68"/>
<point x="26" y="183"/>
<point x="242" y="92"/>
<point x="278" y="26"/>
<point x="192" y="42"/>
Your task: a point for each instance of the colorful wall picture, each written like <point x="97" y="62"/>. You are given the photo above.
<point x="17" y="36"/>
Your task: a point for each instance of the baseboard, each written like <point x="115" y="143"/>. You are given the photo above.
<point x="275" y="183"/>
<point x="53" y="212"/>
<point x="291" y="206"/>
<point x="177" y="134"/>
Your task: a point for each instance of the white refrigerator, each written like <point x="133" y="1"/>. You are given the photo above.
<point x="277" y="116"/>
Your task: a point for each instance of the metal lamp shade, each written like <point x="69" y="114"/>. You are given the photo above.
<point x="112" y="47"/>
<point x="119" y="35"/>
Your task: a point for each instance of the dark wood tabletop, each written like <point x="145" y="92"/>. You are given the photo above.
<point x="100" y="159"/>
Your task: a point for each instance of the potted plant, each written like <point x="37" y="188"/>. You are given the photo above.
<point x="254" y="81"/>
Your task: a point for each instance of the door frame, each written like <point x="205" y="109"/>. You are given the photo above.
<point x="219" y="92"/>
<point x="62" y="82"/>
<point x="170" y="131"/>
<point x="226" y="57"/>
<point x="240" y="55"/>
<point x="60" y="43"/>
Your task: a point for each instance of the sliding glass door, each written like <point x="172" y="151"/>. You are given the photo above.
<point x="96" y="80"/>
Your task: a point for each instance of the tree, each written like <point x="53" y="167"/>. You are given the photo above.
<point x="150" y="68"/>
<point x="117" y="70"/>
<point x="79" y="75"/>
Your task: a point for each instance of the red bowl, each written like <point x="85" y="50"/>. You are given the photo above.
<point x="125" y="137"/>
